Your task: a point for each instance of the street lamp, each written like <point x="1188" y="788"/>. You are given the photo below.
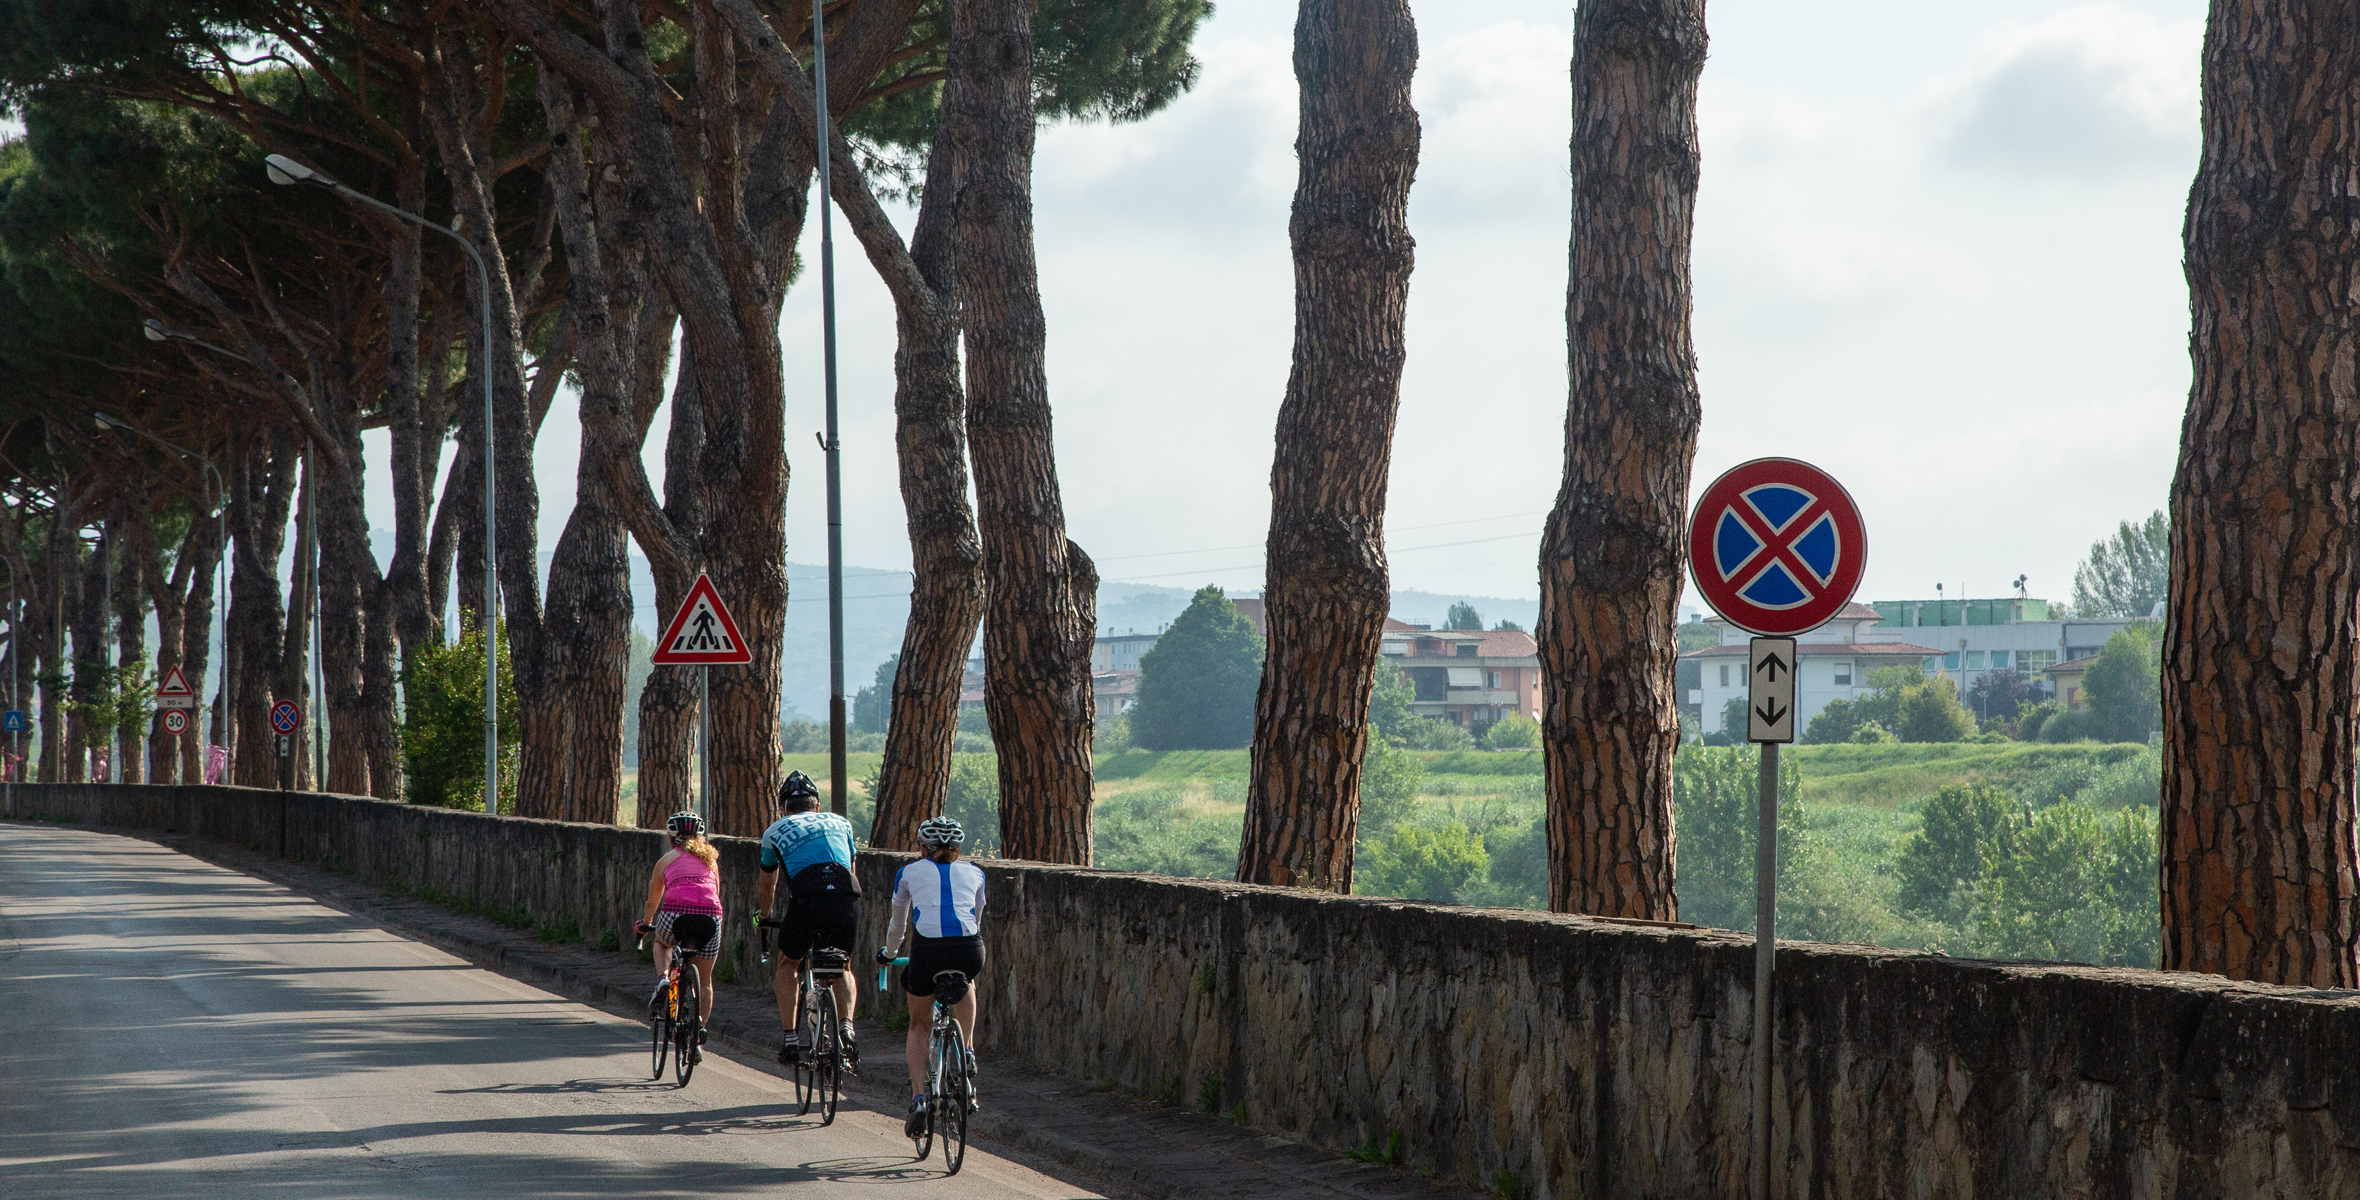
<point x="157" y="332"/>
<point x="286" y="171"/>
<point x="838" y="774"/>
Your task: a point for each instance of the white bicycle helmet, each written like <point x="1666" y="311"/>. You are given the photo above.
<point x="941" y="831"/>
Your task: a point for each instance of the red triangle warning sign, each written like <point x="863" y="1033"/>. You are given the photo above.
<point x="701" y="633"/>
<point x="175" y="684"/>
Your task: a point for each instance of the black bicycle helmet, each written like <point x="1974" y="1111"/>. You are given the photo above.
<point x="797" y="784"/>
<point x="685" y="825"/>
<point x="941" y="831"/>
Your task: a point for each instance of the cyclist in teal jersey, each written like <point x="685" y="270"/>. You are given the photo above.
<point x="813" y="850"/>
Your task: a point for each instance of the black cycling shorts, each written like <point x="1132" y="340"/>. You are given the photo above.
<point x="822" y="920"/>
<point x="931" y="955"/>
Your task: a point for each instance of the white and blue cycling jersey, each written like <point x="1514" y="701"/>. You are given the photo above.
<point x="937" y="900"/>
<point x="803" y="840"/>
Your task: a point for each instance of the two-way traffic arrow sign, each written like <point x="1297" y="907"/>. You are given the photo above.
<point x="1770" y="690"/>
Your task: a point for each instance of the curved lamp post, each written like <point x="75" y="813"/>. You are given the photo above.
<point x="286" y="171"/>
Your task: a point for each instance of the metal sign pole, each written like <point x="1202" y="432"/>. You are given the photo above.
<point x="1765" y="949"/>
<point x="705" y="744"/>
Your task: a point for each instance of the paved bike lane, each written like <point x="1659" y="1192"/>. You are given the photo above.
<point x="177" y="1028"/>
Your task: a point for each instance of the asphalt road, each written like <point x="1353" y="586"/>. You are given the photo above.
<point x="172" y="1028"/>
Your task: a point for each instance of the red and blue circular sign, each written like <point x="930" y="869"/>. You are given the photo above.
<point x="284" y="717"/>
<point x="1776" y="547"/>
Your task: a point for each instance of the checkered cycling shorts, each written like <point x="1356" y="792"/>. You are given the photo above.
<point x="700" y="939"/>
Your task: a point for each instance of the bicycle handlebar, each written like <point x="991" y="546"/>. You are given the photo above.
<point x="882" y="970"/>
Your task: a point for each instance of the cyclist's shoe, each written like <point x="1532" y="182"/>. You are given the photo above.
<point x="655" y="999"/>
<point x="700" y="1035"/>
<point x="915" y="1126"/>
<point x="851" y="1044"/>
<point x="790" y="1051"/>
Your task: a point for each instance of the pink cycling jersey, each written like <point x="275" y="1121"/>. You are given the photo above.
<point x="690" y="886"/>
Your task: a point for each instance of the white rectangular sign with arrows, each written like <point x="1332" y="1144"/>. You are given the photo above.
<point x="1770" y="690"/>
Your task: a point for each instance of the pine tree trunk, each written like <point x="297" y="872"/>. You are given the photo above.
<point x="90" y="665"/>
<point x="348" y="581"/>
<point x="668" y="700"/>
<point x="947" y="590"/>
<point x="63" y="574"/>
<point x="2258" y="870"/>
<point x="128" y="740"/>
<point x="293" y="679"/>
<point x="261" y="495"/>
<point x="163" y="756"/>
<point x="1612" y="556"/>
<point x="202" y="560"/>
<point x="1328" y="588"/>
<point x="1041" y="617"/>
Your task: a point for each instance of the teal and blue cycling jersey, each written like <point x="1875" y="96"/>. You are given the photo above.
<point x="797" y="843"/>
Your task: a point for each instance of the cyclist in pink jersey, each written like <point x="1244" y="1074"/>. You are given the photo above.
<point x="684" y="905"/>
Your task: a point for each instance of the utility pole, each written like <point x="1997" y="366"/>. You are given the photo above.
<point x="839" y="783"/>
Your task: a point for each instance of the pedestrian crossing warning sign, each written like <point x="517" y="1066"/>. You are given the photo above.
<point x="701" y="633"/>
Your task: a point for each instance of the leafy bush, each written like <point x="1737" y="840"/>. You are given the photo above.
<point x="1436" y="734"/>
<point x="1112" y="736"/>
<point x="442" y="724"/>
<point x="1869" y="734"/>
<point x="1716" y="802"/>
<point x="1939" y="866"/>
<point x="2124" y="688"/>
<point x="2075" y="726"/>
<point x="2030" y="720"/>
<point x="974" y="801"/>
<point x="1839" y="720"/>
<point x="1390" y="780"/>
<point x="1151" y="830"/>
<point x="2071" y="883"/>
<point x="1930" y="712"/>
<point x="1422" y="862"/>
<point x="1513" y="731"/>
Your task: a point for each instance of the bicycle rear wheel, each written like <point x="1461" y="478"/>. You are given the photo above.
<point x="684" y="1059"/>
<point x="661" y="1025"/>
<point x="951" y="1107"/>
<point x="827" y="1057"/>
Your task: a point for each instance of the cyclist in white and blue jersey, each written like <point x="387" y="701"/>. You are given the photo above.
<point x="938" y="900"/>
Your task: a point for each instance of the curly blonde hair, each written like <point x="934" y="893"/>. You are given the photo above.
<point x="697" y="845"/>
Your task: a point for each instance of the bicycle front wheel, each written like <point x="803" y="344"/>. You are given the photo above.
<point x="661" y="1025"/>
<point x="684" y="1059"/>
<point x="950" y="1106"/>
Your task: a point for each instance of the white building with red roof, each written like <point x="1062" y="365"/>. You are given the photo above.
<point x="1832" y="663"/>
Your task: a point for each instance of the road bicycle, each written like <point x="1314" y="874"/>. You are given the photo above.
<point x="819" y="1075"/>
<point x="950" y="1070"/>
<point x="672" y="1017"/>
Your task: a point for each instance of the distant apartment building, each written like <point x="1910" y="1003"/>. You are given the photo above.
<point x="1832" y="662"/>
<point x="1466" y="676"/>
<point x="1964" y="640"/>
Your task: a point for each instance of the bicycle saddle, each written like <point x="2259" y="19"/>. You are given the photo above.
<point x="950" y="987"/>
<point x="826" y="960"/>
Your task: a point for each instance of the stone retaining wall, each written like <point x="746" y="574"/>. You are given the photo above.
<point x="1579" y="1058"/>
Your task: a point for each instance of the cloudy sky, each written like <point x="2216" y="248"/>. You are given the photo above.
<point x="1937" y="253"/>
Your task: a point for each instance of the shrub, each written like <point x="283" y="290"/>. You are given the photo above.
<point x="1716" y="802"/>
<point x="1869" y="734"/>
<point x="1390" y="780"/>
<point x="442" y="724"/>
<point x="1930" y="712"/>
<point x="1113" y="736"/>
<point x="2124" y="689"/>
<point x="1513" y="731"/>
<point x="2071" y="883"/>
<point x="974" y="801"/>
<point x="2030" y="721"/>
<point x="1422" y="862"/>
<point x="1436" y="734"/>
<point x="1939" y="865"/>
<point x="2075" y="726"/>
<point x="1197" y="685"/>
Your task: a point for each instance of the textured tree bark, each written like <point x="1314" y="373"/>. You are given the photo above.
<point x="164" y="592"/>
<point x="2258" y="860"/>
<point x="946" y="591"/>
<point x="64" y="574"/>
<point x="668" y="701"/>
<point x="192" y="586"/>
<point x="1612" y="557"/>
<point x="293" y="679"/>
<point x="129" y="741"/>
<point x="1041" y="617"/>
<point x="90" y="664"/>
<point x="349" y="579"/>
<point x="1328" y="588"/>
<point x="261" y="493"/>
